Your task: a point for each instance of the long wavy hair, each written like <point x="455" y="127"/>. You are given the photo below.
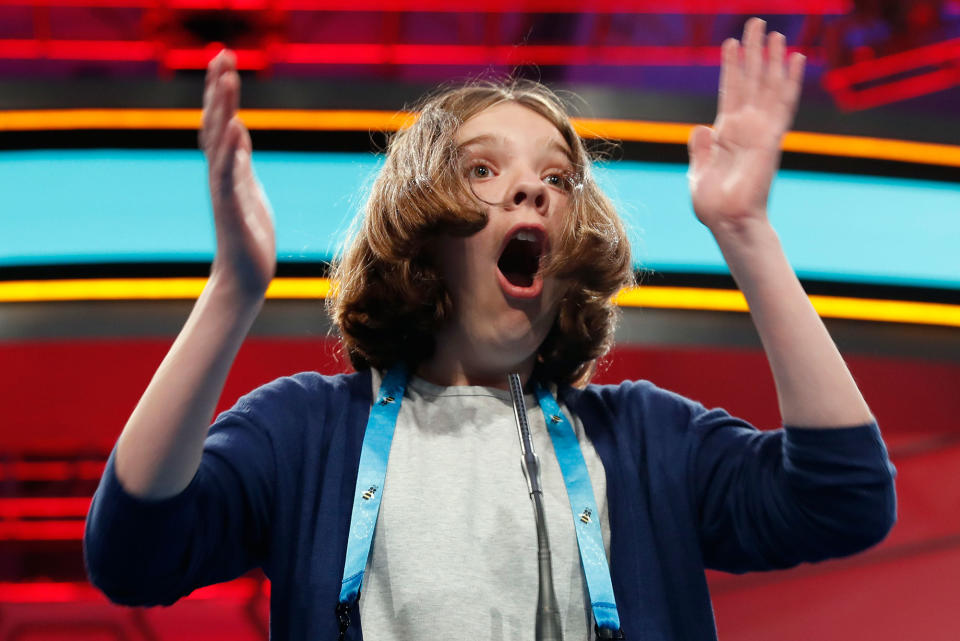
<point x="389" y="298"/>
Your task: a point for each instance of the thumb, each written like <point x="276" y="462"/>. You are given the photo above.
<point x="243" y="141"/>
<point x="699" y="144"/>
<point x="243" y="178"/>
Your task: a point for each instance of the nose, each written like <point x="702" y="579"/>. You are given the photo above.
<point x="534" y="194"/>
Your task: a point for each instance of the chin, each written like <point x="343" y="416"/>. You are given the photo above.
<point x="519" y="337"/>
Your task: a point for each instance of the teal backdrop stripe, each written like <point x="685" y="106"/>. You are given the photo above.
<point x="82" y="206"/>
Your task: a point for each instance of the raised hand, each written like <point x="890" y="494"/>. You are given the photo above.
<point x="733" y="163"/>
<point x="246" y="248"/>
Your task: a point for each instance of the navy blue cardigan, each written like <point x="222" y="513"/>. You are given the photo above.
<point x="688" y="489"/>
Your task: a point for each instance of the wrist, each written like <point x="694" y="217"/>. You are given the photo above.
<point x="231" y="296"/>
<point x="744" y="231"/>
<point x="754" y="254"/>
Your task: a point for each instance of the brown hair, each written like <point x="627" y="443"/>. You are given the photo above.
<point x="388" y="297"/>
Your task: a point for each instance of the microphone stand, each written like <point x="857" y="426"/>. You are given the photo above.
<point x="548" y="612"/>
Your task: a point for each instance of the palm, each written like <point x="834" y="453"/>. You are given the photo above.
<point x="246" y="246"/>
<point x="733" y="163"/>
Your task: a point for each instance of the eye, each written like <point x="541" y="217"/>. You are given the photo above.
<point x="479" y="171"/>
<point x="559" y="180"/>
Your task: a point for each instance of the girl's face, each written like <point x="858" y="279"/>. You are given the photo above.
<point x="517" y="163"/>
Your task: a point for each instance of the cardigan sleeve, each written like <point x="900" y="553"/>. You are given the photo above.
<point x="773" y="499"/>
<point x="152" y="552"/>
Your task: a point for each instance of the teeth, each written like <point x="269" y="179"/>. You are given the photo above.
<point x="527" y="236"/>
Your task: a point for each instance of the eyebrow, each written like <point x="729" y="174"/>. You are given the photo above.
<point x="562" y="149"/>
<point x="490" y="139"/>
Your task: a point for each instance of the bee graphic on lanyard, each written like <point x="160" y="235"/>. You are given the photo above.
<point x="370" y="492"/>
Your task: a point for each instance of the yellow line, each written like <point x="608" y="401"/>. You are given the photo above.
<point x="692" y="298"/>
<point x="143" y="289"/>
<point x="299" y="288"/>
<point x="372" y="120"/>
<point x="894" y="311"/>
<point x="100" y="289"/>
<point x="725" y="300"/>
<point x="683" y="298"/>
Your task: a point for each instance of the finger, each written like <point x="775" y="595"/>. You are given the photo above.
<point x="772" y="89"/>
<point x="246" y="186"/>
<point x="243" y="169"/>
<point x="776" y="50"/>
<point x="249" y="191"/>
<point x="254" y="203"/>
<point x="753" y="56"/>
<point x="222" y="165"/>
<point x="243" y="180"/>
<point x="730" y="76"/>
<point x="794" y="84"/>
<point x="222" y="108"/>
<point x="222" y="63"/>
<point x="229" y="86"/>
<point x="234" y="91"/>
<point x="210" y="77"/>
<point x="244" y="141"/>
<point x="226" y="61"/>
<point x="209" y="82"/>
<point x="699" y="145"/>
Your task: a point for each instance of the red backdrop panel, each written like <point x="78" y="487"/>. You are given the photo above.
<point x="69" y="395"/>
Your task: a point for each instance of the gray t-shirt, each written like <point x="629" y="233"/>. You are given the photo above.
<point x="455" y="549"/>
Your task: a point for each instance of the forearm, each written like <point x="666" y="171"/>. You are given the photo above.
<point x="814" y="386"/>
<point x="159" y="450"/>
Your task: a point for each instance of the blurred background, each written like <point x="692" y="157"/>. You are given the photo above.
<point x="106" y="237"/>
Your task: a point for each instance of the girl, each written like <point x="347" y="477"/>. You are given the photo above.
<point x="486" y="248"/>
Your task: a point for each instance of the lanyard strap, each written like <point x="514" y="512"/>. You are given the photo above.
<point x="373" y="471"/>
<point x="583" y="506"/>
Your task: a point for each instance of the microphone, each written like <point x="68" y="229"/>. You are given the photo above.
<point x="548" y="612"/>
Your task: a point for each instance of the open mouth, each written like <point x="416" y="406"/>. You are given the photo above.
<point x="520" y="259"/>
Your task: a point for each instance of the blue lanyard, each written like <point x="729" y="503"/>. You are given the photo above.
<point x="373" y="471"/>
<point x="370" y="477"/>
<point x="583" y="506"/>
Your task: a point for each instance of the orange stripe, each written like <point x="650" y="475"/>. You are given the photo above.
<point x="367" y="120"/>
